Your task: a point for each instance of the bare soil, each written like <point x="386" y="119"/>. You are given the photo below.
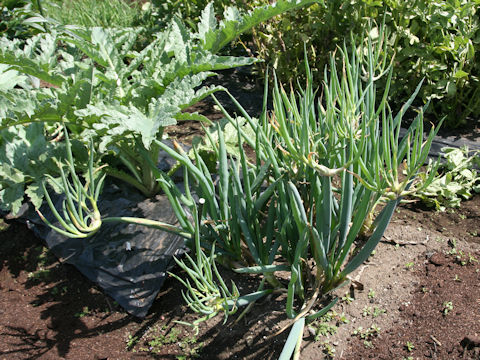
<point x="417" y="297"/>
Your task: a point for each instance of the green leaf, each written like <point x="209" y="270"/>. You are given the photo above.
<point x="249" y="298"/>
<point x="235" y="23"/>
<point x="201" y="61"/>
<point x="460" y="74"/>
<point x="37" y="57"/>
<point x="297" y="207"/>
<point x="208" y="21"/>
<point x="293" y="338"/>
<point x="35" y="194"/>
<point x="97" y="43"/>
<point x="25" y="156"/>
<point x="18" y="104"/>
<point x="366" y="250"/>
<point x="184" y="116"/>
<point x="119" y="120"/>
<point x="9" y="79"/>
<point x="323" y="311"/>
<point x="11" y="198"/>
<point x="177" y="44"/>
<point x="230" y="135"/>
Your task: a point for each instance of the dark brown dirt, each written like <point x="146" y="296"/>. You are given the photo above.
<point x="459" y="224"/>
<point x="439" y="317"/>
<point x="50" y="311"/>
<point x="441" y="321"/>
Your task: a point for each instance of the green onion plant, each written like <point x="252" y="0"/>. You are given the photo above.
<point x="313" y="198"/>
<point x="327" y="171"/>
<point x="80" y="216"/>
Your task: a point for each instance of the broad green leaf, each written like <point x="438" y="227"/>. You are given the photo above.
<point x="11" y="198"/>
<point x="10" y="78"/>
<point x="35" y="194"/>
<point x="37" y="57"/>
<point x="201" y="61"/>
<point x="119" y="120"/>
<point x="230" y="135"/>
<point x="17" y="104"/>
<point x="182" y="94"/>
<point x="208" y="21"/>
<point x="178" y="44"/>
<point x="236" y="23"/>
<point x="25" y="156"/>
<point x="460" y="74"/>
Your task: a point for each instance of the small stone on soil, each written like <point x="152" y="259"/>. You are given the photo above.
<point x="438" y="259"/>
<point x="471" y="341"/>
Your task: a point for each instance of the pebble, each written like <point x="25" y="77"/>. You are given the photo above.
<point x="431" y="268"/>
<point x="249" y="340"/>
<point x="471" y="340"/>
<point x="438" y="259"/>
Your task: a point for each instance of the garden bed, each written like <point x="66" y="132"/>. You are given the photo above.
<point x="301" y="217"/>
<point x="49" y="310"/>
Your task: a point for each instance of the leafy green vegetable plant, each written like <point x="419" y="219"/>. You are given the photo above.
<point x="456" y="180"/>
<point x="96" y="83"/>
<point x="438" y="41"/>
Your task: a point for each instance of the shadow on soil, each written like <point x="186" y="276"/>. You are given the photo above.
<point x="55" y="298"/>
<point x="51" y="310"/>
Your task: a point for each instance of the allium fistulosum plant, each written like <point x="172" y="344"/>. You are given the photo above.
<point x="322" y="166"/>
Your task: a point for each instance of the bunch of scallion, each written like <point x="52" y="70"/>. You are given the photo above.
<point x="328" y="167"/>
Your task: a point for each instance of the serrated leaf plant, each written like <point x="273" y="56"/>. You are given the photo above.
<point x="456" y="179"/>
<point x="94" y="81"/>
